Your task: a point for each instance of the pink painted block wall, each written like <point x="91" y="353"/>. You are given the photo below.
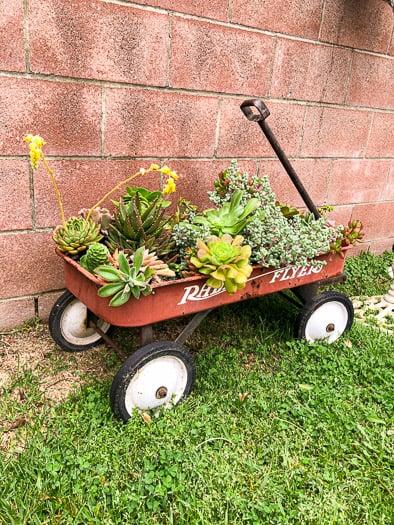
<point x="113" y="86"/>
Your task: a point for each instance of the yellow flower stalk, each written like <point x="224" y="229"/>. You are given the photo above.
<point x="36" y="143"/>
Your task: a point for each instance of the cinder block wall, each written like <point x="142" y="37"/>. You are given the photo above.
<point x="115" y="85"/>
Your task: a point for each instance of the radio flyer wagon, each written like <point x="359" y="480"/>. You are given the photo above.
<point x="161" y="373"/>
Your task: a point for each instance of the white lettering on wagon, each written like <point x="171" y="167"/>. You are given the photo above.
<point x="199" y="293"/>
<point x="293" y="272"/>
<point x="203" y="292"/>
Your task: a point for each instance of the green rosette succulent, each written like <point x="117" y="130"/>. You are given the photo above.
<point x="225" y="260"/>
<point x="231" y="218"/>
<point x="76" y="234"/>
<point x="96" y="255"/>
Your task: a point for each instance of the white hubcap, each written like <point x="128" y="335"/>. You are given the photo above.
<point x="161" y="382"/>
<point x="73" y="325"/>
<point x="327" y="323"/>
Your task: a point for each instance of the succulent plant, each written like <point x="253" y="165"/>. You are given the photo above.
<point x="232" y="179"/>
<point x="125" y="281"/>
<point x="146" y="197"/>
<point x="100" y="216"/>
<point x="97" y="254"/>
<point x="185" y="235"/>
<point x="150" y="260"/>
<point x="232" y="217"/>
<point x="225" y="260"/>
<point x="139" y="220"/>
<point x="186" y="211"/>
<point x="76" y="235"/>
<point x="353" y="232"/>
<point x="279" y="241"/>
<point x="287" y="210"/>
<point x="348" y="236"/>
<point x="137" y="224"/>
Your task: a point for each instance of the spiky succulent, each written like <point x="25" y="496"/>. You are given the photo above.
<point x="96" y="255"/>
<point x="225" y="260"/>
<point x="140" y="222"/>
<point x="125" y="281"/>
<point x="76" y="235"/>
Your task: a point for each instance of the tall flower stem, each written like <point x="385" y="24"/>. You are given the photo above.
<point x="59" y="200"/>
<point x="118" y="186"/>
<point x="169" y="188"/>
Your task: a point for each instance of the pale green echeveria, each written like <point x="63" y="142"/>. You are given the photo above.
<point x="225" y="260"/>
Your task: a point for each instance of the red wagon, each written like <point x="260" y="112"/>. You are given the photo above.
<point x="160" y="374"/>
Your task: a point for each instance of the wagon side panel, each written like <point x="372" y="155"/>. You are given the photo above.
<point x="173" y="299"/>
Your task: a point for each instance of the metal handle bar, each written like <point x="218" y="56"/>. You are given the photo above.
<point x="249" y="108"/>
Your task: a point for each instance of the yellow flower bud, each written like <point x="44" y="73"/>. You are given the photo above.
<point x="36" y="144"/>
<point x="166" y="170"/>
<point x="169" y="187"/>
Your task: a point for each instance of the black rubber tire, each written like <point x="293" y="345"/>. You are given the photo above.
<point x="68" y="325"/>
<point x="326" y="317"/>
<point x="158" y="375"/>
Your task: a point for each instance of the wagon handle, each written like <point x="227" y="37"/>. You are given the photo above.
<point x="263" y="111"/>
<point x="248" y="108"/>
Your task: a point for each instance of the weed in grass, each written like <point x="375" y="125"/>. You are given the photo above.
<point x="27" y="325"/>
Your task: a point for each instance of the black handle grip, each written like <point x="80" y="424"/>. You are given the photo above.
<point x="247" y="109"/>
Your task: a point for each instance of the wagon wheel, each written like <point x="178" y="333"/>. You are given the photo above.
<point x="325" y="317"/>
<point x="68" y="325"/>
<point x="158" y="375"/>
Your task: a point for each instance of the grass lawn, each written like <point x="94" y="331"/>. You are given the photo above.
<point x="276" y="431"/>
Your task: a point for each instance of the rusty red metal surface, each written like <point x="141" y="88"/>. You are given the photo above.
<point x="176" y="298"/>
